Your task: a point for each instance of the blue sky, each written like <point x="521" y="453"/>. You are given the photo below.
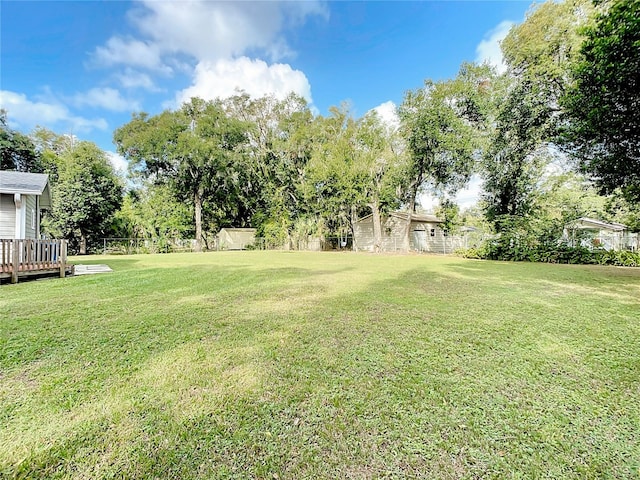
<point x="83" y="67"/>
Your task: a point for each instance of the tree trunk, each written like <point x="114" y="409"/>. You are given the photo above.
<point x="197" y="202"/>
<point x="377" y="226"/>
<point x="406" y="239"/>
<point x="83" y="243"/>
<point x="354" y="219"/>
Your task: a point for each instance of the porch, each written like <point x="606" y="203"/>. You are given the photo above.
<point x="20" y="258"/>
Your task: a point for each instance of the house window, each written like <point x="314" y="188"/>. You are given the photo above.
<point x="433" y="232"/>
<point x="33" y="219"/>
<point x="445" y="233"/>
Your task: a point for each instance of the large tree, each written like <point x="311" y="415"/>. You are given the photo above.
<point x="603" y="104"/>
<point x="195" y="150"/>
<point x="17" y="151"/>
<point x="355" y="168"/>
<point x="526" y="105"/>
<point x="445" y="129"/>
<point x="86" y="195"/>
<point x="516" y="157"/>
<point x="443" y="125"/>
<point x="280" y="144"/>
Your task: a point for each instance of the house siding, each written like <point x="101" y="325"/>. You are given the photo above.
<point x="393" y="236"/>
<point x="7" y="216"/>
<point x="31" y="212"/>
<point x="236" y="238"/>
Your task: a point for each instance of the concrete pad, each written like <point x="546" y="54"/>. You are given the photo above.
<point x="91" y="269"/>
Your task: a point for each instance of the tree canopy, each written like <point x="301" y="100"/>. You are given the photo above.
<point x="17" y="151"/>
<point x="273" y="164"/>
<point x="86" y="195"/>
<point x="196" y="150"/>
<point x="602" y="105"/>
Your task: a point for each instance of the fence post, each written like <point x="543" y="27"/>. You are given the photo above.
<point x="15" y="261"/>
<point x="63" y="258"/>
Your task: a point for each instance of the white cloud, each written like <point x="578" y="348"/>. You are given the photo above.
<point x="465" y="198"/>
<point x="131" y="78"/>
<point x="107" y="98"/>
<point x="136" y="53"/>
<point x="205" y="31"/>
<point x="470" y="195"/>
<point x="224" y="77"/>
<point x="488" y="50"/>
<point x="118" y="161"/>
<point x="27" y="114"/>
<point x="388" y="114"/>
<point x="212" y="30"/>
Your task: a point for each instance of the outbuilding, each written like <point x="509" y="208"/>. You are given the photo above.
<point x="235" y="238"/>
<point x="425" y="233"/>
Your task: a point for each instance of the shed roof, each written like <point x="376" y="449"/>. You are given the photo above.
<point x="239" y="230"/>
<point x="585" y="223"/>
<point x="415" y="217"/>
<point x="27" y="184"/>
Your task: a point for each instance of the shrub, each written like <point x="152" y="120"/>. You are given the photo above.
<point x="501" y="250"/>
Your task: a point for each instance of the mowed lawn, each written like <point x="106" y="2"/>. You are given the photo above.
<point x="280" y="365"/>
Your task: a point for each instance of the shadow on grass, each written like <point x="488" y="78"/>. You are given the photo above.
<point x="234" y="372"/>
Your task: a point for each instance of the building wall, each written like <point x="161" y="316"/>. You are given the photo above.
<point x="236" y="239"/>
<point x="393" y="236"/>
<point x="7" y="216"/>
<point x="31" y="216"/>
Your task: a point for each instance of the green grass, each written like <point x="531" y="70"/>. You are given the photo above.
<point x="320" y="365"/>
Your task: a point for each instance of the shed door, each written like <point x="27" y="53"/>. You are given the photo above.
<point x="419" y="240"/>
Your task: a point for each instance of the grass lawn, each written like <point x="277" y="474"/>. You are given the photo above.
<point x="301" y="365"/>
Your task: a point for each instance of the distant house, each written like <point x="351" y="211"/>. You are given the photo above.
<point x="593" y="233"/>
<point x="22" y="197"/>
<point x="425" y="233"/>
<point x="235" y="238"/>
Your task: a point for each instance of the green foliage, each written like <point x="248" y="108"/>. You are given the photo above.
<point x="196" y="150"/>
<point x="602" y="129"/>
<point x="154" y="213"/>
<point x="356" y="168"/>
<point x="623" y="211"/>
<point x="558" y="253"/>
<point x="540" y="49"/>
<point x="537" y="53"/>
<point x="86" y="196"/>
<point x="442" y="124"/>
<point x="515" y="161"/>
<point x="449" y="212"/>
<point x="281" y="140"/>
<point x="17" y="151"/>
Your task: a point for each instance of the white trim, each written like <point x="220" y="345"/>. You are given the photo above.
<point x="20" y="217"/>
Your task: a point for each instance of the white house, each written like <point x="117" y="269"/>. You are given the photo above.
<point x="22" y="197"/>
<point x="590" y="232"/>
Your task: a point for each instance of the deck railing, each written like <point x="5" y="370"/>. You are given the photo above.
<point x="20" y="257"/>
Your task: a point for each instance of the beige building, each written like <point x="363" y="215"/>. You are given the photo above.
<point x="235" y="238"/>
<point x="425" y="234"/>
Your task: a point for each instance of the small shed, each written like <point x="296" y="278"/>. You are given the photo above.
<point x="594" y="233"/>
<point x="235" y="238"/>
<point x="22" y="198"/>
<point x="425" y="233"/>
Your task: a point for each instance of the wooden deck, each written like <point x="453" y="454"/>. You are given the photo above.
<point x="21" y="258"/>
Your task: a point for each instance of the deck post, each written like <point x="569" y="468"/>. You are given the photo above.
<point x="15" y="260"/>
<point x="63" y="258"/>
